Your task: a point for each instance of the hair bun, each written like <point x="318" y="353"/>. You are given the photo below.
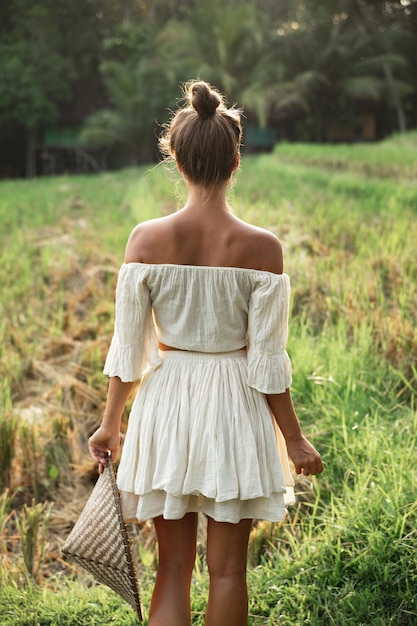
<point x="204" y="99"/>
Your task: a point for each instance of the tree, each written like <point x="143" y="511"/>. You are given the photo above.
<point x="138" y="88"/>
<point x="332" y="66"/>
<point x="218" y="43"/>
<point x="376" y="19"/>
<point x="50" y="54"/>
<point x="221" y="42"/>
<point x="61" y="61"/>
<point x="34" y="76"/>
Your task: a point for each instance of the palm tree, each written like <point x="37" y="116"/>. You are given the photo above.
<point x="326" y="79"/>
<point x="137" y="97"/>
<point x="220" y="42"/>
<point x="374" y="18"/>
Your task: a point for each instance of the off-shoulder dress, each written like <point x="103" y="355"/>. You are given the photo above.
<point x="200" y="435"/>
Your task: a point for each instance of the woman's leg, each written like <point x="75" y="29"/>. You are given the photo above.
<point x="227" y="549"/>
<point x="170" y="603"/>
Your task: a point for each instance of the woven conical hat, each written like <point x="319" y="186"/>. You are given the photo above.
<point x="99" y="541"/>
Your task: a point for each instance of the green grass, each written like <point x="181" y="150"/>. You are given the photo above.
<point x="393" y="158"/>
<point x="346" y="216"/>
<point x="63" y="604"/>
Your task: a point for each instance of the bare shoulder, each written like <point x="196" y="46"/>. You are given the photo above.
<point x="144" y="237"/>
<point x="264" y="247"/>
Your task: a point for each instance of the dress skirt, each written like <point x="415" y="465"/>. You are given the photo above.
<point x="200" y="439"/>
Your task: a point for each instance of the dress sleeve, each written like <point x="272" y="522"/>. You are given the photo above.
<point x="134" y="347"/>
<point x="269" y="366"/>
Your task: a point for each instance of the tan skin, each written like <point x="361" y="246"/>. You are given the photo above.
<point x="203" y="232"/>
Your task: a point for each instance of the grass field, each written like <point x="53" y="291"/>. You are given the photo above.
<point x="347" y="218"/>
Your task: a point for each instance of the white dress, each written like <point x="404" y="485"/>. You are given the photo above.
<point x="201" y="436"/>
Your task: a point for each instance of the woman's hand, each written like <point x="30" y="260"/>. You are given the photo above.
<point x="305" y="457"/>
<point x="101" y="443"/>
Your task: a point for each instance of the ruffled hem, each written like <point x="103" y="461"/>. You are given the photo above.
<point x="269" y="373"/>
<point x="129" y="363"/>
<point x="158" y="503"/>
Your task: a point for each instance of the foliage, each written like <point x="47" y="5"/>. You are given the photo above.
<point x="336" y="67"/>
<point x="8" y="430"/>
<point x="214" y="42"/>
<point x="33" y="71"/>
<point x="32" y="527"/>
<point x="346" y="217"/>
<point x="313" y="66"/>
<point x="63" y="605"/>
<point x="137" y="95"/>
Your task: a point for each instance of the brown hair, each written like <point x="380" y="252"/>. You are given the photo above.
<point x="204" y="136"/>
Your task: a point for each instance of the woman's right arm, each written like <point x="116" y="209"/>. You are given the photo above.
<point x="305" y="457"/>
<point x="107" y="437"/>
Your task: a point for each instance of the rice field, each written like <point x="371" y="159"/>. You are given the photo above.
<point x="346" y="215"/>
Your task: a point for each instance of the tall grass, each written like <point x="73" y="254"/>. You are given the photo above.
<point x="345" y="555"/>
<point x="350" y="253"/>
<point x="8" y="429"/>
<point x="32" y="526"/>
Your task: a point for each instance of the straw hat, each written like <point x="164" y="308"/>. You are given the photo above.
<point x="100" y="543"/>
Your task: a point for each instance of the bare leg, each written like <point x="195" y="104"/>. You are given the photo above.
<point x="170" y="603"/>
<point x="227" y="548"/>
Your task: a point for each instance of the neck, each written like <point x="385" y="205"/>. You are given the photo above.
<point x="207" y="198"/>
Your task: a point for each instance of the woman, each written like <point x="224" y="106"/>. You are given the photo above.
<point x="201" y="317"/>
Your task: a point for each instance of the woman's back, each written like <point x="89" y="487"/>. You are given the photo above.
<point x="206" y="236"/>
